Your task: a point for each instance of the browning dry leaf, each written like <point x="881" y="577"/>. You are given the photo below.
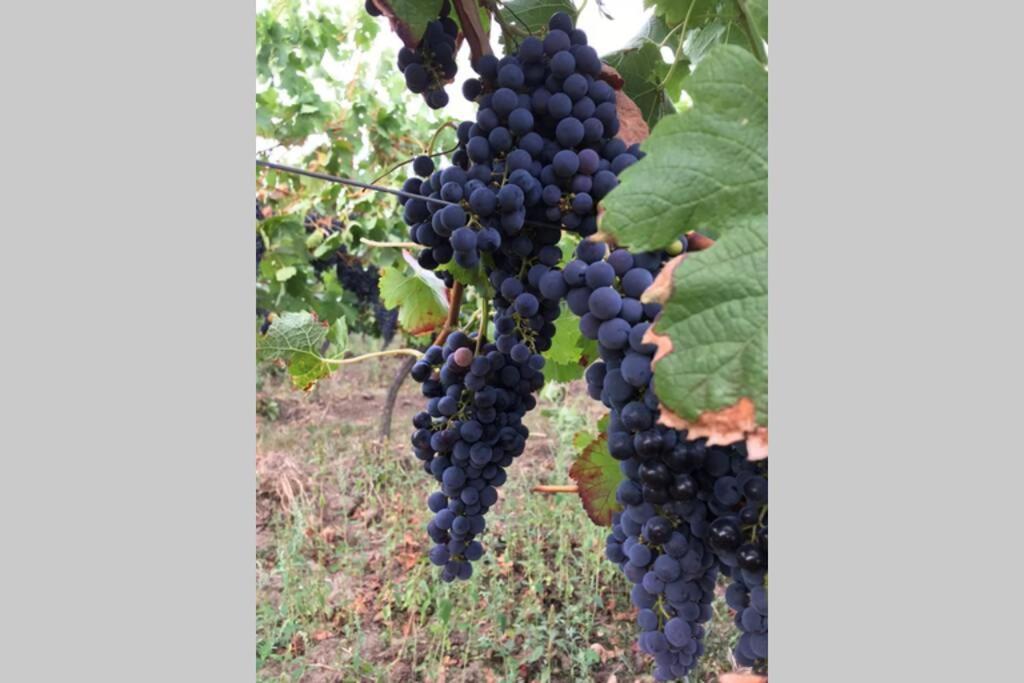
<point x="661" y="288"/>
<point x="737" y="422"/>
<point x="596" y="487"/>
<point x="610" y="76"/>
<point x="697" y="242"/>
<point x="632" y="127"/>
<point x="723" y="427"/>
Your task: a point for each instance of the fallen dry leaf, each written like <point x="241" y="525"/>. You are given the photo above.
<point x="298" y="645"/>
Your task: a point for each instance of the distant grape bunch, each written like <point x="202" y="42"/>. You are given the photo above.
<point x="432" y="64"/>
<point x="354" y="276"/>
<point x="326" y="226"/>
<point x="363" y="280"/>
<point x="261" y="248"/>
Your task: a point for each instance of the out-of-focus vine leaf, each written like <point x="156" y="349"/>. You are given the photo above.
<point x="299" y="340"/>
<point x="643" y="71"/>
<point x="570" y="351"/>
<point x="409" y="18"/>
<point x="693" y="12"/>
<point x="417" y="294"/>
<point x="533" y="15"/>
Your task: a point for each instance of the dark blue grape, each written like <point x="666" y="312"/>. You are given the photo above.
<point x="559" y="105"/>
<point x="566" y="163"/>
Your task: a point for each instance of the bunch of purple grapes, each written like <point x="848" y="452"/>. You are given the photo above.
<point x="541" y="152"/>
<point x="470" y="432"/>
<point x="432" y="64"/>
<point x="689" y="509"/>
<point x="488" y="209"/>
<point x="538" y="158"/>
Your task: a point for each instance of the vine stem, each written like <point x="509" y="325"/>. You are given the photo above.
<point x="349" y="181"/>
<point x="556" y="488"/>
<point x="399" y="245"/>
<point x="675" y="60"/>
<point x="430" y="147"/>
<point x="485" y="311"/>
<point x="505" y="26"/>
<point x="375" y="354"/>
<point x="400" y="164"/>
<point x="450" y="323"/>
<point x="756" y="43"/>
<point x="377" y="188"/>
<point x="389" y="401"/>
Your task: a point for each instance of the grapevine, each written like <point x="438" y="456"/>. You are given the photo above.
<point x="541" y="159"/>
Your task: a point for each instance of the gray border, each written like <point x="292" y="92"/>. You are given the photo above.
<point x="128" y="438"/>
<point x="895" y="344"/>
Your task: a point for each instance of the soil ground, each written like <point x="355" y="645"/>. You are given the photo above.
<point x="344" y="591"/>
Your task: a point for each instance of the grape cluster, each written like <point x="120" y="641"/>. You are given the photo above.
<point x="470" y="432"/>
<point x="432" y="63"/>
<point x="387" y="321"/>
<point x="539" y="156"/>
<point x="689" y="509"/>
<point x="363" y="280"/>
<point x="739" y="536"/>
<point x="541" y="152"/>
<point x="515" y="182"/>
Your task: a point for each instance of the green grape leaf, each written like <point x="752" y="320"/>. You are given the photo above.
<point x="328" y="246"/>
<point x="597" y="474"/>
<point x="418" y="296"/>
<point x="532" y="15"/>
<point x="297" y="339"/>
<point x="699" y="41"/>
<point x="711" y="366"/>
<point x="285" y="273"/>
<point x="643" y="71"/>
<point x="758" y="12"/>
<point x="694" y="12"/>
<point x="409" y="18"/>
<point x="338" y="337"/>
<point x="570" y="351"/>
<point x="706" y="168"/>
<point x="473" y="277"/>
<point x="567" y="245"/>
